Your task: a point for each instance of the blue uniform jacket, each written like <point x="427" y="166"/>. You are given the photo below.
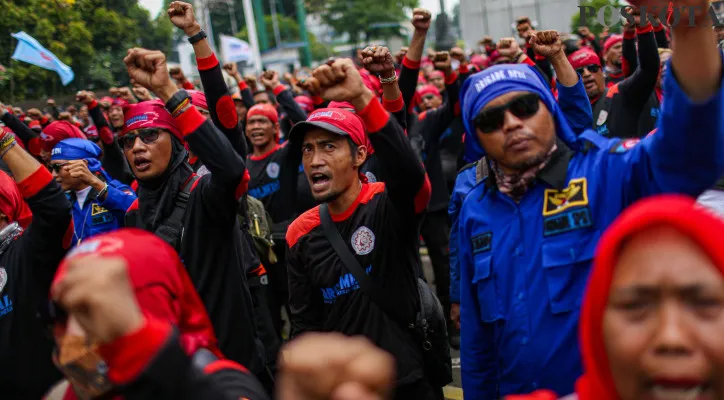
<point x="577" y="110"/>
<point x="101" y="216"/>
<point x="524" y="266"/>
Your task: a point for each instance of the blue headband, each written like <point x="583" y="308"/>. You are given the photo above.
<point x="78" y="149"/>
<point x="483" y="87"/>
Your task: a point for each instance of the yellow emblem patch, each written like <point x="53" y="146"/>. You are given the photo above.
<point x="97" y="209"/>
<point x="576" y="194"/>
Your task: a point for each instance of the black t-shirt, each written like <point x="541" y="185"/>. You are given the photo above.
<point x="274" y="180"/>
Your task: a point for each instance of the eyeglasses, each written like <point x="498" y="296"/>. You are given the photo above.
<point x="492" y="119"/>
<point x="57" y="167"/>
<point x="593" y="68"/>
<point x="147" y="136"/>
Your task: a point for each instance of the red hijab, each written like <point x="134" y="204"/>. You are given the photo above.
<point x="12" y="203"/>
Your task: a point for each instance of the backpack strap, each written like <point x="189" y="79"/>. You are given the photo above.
<point x="172" y="229"/>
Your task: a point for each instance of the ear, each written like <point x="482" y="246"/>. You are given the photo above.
<point x="361" y="156"/>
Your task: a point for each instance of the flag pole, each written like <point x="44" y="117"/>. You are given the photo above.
<point x="253" y="38"/>
<point x="12" y="82"/>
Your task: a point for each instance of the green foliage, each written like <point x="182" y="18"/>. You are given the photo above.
<point x="593" y="25"/>
<point x="91" y="36"/>
<point x="289" y="33"/>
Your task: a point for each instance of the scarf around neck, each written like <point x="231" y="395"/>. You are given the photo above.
<point x="517" y="184"/>
<point x="8" y="234"/>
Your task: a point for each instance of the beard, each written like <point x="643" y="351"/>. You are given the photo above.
<point x="327" y="197"/>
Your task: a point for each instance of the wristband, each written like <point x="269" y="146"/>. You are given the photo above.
<point x="390" y="80"/>
<point x="5" y="148"/>
<point x="103" y="192"/>
<point x="178" y="101"/>
<point x="197" y="37"/>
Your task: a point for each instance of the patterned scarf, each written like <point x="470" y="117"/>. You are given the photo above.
<point x="517" y="184"/>
<point x="8" y="234"/>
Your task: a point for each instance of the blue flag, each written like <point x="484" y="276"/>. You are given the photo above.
<point x="32" y="52"/>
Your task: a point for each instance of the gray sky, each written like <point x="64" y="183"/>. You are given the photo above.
<point x="154" y="6"/>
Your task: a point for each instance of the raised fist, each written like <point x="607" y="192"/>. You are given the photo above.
<point x="508" y="47"/>
<point x="231" y="68"/>
<point x="421" y="19"/>
<point x="51" y="102"/>
<point x="34" y="113"/>
<point x="442" y="61"/>
<point x="142" y="93"/>
<point x="457" y="54"/>
<point x="636" y="14"/>
<point x="148" y="69"/>
<point x="340" y="81"/>
<point x="378" y="60"/>
<point x="583" y="32"/>
<point x="125" y="94"/>
<point x="113" y="92"/>
<point x="97" y="294"/>
<point x="84" y="97"/>
<point x="251" y="82"/>
<point x="182" y="15"/>
<point x="546" y="43"/>
<point x="270" y="79"/>
<point x="401" y="54"/>
<point x="311" y="85"/>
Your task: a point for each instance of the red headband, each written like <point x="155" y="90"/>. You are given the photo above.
<point x="434" y="74"/>
<point x="265" y="110"/>
<point x="149" y="114"/>
<point x="428" y="89"/>
<point x="584" y="57"/>
<point x="613" y="39"/>
<point x="198" y="99"/>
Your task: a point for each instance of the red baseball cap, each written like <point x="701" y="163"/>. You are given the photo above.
<point x="335" y="120"/>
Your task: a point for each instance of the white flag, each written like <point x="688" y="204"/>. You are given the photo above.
<point x="235" y="50"/>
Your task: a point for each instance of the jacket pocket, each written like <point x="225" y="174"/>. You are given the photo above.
<point x="566" y="265"/>
<point x="485" y="287"/>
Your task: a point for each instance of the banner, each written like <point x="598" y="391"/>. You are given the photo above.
<point x="32" y="52"/>
<point x="235" y="50"/>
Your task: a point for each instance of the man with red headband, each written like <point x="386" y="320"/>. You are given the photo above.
<point x="196" y="215"/>
<point x="379" y="220"/>
<point x="129" y="324"/>
<point x="613" y="54"/>
<point x="29" y="256"/>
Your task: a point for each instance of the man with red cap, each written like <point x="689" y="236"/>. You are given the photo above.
<point x="379" y="220"/>
<point x="196" y="215"/>
<point x="129" y="324"/>
<point x="29" y="256"/>
<point x="613" y="54"/>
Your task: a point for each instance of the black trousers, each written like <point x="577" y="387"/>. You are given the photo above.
<point x="436" y="233"/>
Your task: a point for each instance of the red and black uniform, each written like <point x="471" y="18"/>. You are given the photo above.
<point x="624" y="110"/>
<point x="210" y="244"/>
<point x="382" y="226"/>
<point x="27" y="265"/>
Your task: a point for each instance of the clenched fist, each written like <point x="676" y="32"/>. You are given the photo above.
<point x="142" y="93"/>
<point x="443" y="62"/>
<point x="85" y="97"/>
<point x="182" y="15"/>
<point x="96" y="292"/>
<point x="421" y="19"/>
<point x="378" y="60"/>
<point x="340" y="81"/>
<point x="270" y="79"/>
<point x="547" y="43"/>
<point x="148" y="69"/>
<point x="508" y="47"/>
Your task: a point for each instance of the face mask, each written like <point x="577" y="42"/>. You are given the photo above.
<point x="84" y="368"/>
<point x="455" y="64"/>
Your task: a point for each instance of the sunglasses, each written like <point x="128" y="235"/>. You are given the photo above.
<point x="57" y="167"/>
<point x="593" y="68"/>
<point x="147" y="136"/>
<point x="492" y="119"/>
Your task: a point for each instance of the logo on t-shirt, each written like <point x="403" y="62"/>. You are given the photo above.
<point x="3" y="279"/>
<point x="363" y="241"/>
<point x="371" y="178"/>
<point x="272" y="170"/>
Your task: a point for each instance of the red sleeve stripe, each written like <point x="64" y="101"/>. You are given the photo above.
<point x="219" y="365"/>
<point x="243" y="85"/>
<point x="31" y="185"/>
<point x="129" y="355"/>
<point x="529" y="62"/>
<point x="629" y="34"/>
<point x="410" y="64"/>
<point x="207" y="63"/>
<point x="659" y="27"/>
<point x="188" y="85"/>
<point x="133" y="206"/>
<point x="464" y="69"/>
<point x="243" y="186"/>
<point x="317" y="100"/>
<point x="190" y="121"/>
<point x="644" y="29"/>
<point x="450" y="79"/>
<point x="394" y="106"/>
<point x="423" y="196"/>
<point x="279" y="89"/>
<point x="93" y="105"/>
<point x="374" y="116"/>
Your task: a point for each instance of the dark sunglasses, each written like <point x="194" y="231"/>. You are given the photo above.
<point x="147" y="136"/>
<point x="57" y="167"/>
<point x="492" y="119"/>
<point x="593" y="68"/>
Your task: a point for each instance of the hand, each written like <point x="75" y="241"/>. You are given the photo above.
<point x="547" y="43"/>
<point x="182" y="15"/>
<point x="148" y="69"/>
<point x="84" y="97"/>
<point x="341" y="81"/>
<point x="97" y="293"/>
<point x="34" y="113"/>
<point x="270" y="80"/>
<point x="508" y="47"/>
<point x="64" y="116"/>
<point x="458" y="54"/>
<point x="288" y="77"/>
<point x="636" y="14"/>
<point x="177" y="74"/>
<point x="113" y="92"/>
<point x="603" y="33"/>
<point x="584" y="32"/>
<point x="421" y="19"/>
<point x="231" y="68"/>
<point x="125" y="94"/>
<point x="78" y="169"/>
<point x="455" y="314"/>
<point x="378" y="60"/>
<point x="443" y="62"/>
<point x="401" y="54"/>
<point x="51" y="103"/>
<point x="251" y="82"/>
<point x="142" y="93"/>
<point x="333" y="366"/>
<point x="311" y="85"/>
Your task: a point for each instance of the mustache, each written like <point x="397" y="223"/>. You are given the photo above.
<point x="517" y="138"/>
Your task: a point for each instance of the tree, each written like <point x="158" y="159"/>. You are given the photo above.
<point x="289" y="33"/>
<point x="596" y="27"/>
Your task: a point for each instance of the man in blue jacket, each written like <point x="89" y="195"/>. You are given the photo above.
<point x="528" y="231"/>
<point x="99" y="201"/>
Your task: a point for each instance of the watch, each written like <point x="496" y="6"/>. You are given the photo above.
<point x="178" y="102"/>
<point x="198" y="37"/>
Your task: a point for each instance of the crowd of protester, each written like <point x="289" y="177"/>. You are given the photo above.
<point x="257" y="237"/>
